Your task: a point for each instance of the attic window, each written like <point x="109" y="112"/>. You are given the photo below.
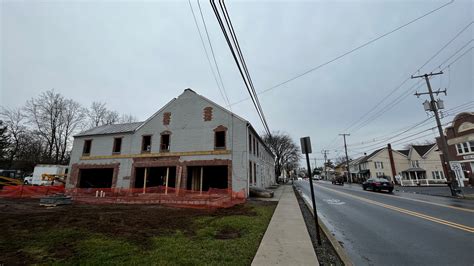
<point x="208" y="113"/>
<point x="166" y="118"/>
<point x="146" y="143"/>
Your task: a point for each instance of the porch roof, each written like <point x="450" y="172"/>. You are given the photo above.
<point x="415" y="169"/>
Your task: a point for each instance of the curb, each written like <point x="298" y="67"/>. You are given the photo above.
<point x="341" y="253"/>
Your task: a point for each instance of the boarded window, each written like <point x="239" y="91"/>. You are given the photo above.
<point x="146" y="143"/>
<point x="117" y="145"/>
<point x="165" y="142"/>
<point x="87" y="147"/>
<point x="220" y="139"/>
<point x="166" y="118"/>
<point x="208" y="114"/>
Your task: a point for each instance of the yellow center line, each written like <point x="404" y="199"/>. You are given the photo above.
<point x="405" y="211"/>
<point x="432" y="203"/>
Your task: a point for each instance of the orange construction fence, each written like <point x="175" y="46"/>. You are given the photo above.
<point x="22" y="191"/>
<point x="212" y="198"/>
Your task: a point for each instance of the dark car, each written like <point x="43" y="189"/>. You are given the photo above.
<point x="378" y="184"/>
<point x="338" y="180"/>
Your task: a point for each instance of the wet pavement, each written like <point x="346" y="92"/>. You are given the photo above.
<point x="396" y="228"/>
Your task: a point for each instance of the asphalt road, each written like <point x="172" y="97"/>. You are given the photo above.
<point x="398" y="228"/>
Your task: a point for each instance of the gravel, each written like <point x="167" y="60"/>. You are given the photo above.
<point x="325" y="253"/>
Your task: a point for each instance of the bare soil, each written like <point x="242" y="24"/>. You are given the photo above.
<point x="135" y="223"/>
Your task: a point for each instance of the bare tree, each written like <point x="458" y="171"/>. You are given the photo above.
<point x="127" y="118"/>
<point x="15" y="123"/>
<point x="72" y="119"/>
<point x="285" y="150"/>
<point x="45" y="114"/>
<point x="112" y="117"/>
<point x="97" y="114"/>
<point x="4" y="140"/>
<point x="341" y="159"/>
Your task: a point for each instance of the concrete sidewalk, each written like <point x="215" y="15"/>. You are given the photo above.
<point x="286" y="241"/>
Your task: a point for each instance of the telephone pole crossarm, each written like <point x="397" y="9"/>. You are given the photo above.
<point x="432" y="105"/>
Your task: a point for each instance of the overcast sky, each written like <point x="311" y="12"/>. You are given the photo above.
<point x="138" y="55"/>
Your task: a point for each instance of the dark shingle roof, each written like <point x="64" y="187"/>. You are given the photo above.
<point x="370" y="155"/>
<point x="405" y="152"/>
<point x="423" y="149"/>
<point x="110" y="129"/>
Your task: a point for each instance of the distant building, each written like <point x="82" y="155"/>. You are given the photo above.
<point x="460" y="139"/>
<point x="191" y="143"/>
<point x="425" y="167"/>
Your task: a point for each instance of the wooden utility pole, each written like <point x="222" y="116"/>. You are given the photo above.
<point x="434" y="107"/>
<point x="325" y="152"/>
<point x="347" y="157"/>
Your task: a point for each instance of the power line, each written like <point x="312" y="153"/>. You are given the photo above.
<point x="369" y="120"/>
<point x="213" y="55"/>
<point x="226" y="100"/>
<point x="350" y="51"/>
<point x="244" y="77"/>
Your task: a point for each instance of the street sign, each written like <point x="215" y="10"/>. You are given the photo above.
<point x="306" y="149"/>
<point x="305" y="145"/>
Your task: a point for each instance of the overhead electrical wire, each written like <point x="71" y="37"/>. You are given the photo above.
<point x="213" y="55"/>
<point x="238" y="58"/>
<point x="221" y="89"/>
<point x="403" y="82"/>
<point x="449" y="112"/>
<point x="351" y="50"/>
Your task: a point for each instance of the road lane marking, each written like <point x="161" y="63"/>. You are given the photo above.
<point x="405" y="211"/>
<point x="427" y="202"/>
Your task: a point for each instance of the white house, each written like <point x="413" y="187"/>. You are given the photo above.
<point x="191" y="143"/>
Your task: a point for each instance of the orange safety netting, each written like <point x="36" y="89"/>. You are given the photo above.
<point x="212" y="198"/>
<point x="22" y="191"/>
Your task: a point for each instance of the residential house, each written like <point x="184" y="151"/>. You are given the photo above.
<point x="383" y="162"/>
<point x="460" y="139"/>
<point x="425" y="167"/>
<point x="191" y="143"/>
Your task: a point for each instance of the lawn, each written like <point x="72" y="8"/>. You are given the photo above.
<point x="130" y="234"/>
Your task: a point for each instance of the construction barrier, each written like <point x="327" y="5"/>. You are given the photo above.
<point x="24" y="191"/>
<point x="212" y="198"/>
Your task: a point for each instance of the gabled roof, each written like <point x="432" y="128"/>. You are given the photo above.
<point x="422" y="150"/>
<point x="404" y="152"/>
<point x="356" y="160"/>
<point x="371" y="155"/>
<point x="111" y="129"/>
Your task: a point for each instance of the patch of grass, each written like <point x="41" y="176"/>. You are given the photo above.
<point x="216" y="238"/>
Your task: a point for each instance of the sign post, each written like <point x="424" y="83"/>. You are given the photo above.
<point x="306" y="149"/>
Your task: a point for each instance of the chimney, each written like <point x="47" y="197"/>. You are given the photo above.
<point x="392" y="163"/>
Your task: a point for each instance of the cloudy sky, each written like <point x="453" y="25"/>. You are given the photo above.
<point x="137" y="55"/>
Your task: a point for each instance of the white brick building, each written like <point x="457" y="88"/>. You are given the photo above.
<point x="192" y="140"/>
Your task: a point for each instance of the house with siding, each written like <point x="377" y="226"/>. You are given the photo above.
<point x="191" y="143"/>
<point x="384" y="162"/>
<point x="424" y="166"/>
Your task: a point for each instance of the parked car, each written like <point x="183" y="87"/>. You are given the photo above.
<point x="378" y="184"/>
<point x="338" y="180"/>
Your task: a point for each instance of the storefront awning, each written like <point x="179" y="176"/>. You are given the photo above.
<point x="363" y="172"/>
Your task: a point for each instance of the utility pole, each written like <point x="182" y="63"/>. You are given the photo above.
<point x="325" y="152"/>
<point x="434" y="106"/>
<point x="347" y="157"/>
